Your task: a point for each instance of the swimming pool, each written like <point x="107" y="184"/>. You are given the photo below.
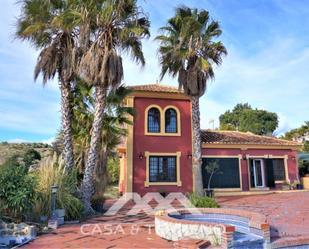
<point x="242" y="237"/>
<point x="228" y="228"/>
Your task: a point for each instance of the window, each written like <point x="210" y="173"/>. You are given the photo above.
<point x="162" y="121"/>
<point x="170" y="121"/>
<point x="279" y="169"/>
<point x="226" y="176"/>
<point x="162" y="169"/>
<point x="154" y="120"/>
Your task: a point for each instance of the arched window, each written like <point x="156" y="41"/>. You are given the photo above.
<point x="154" y="120"/>
<point x="170" y="121"/>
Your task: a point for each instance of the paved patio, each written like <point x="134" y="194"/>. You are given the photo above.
<point x="287" y="213"/>
<point x="116" y="232"/>
<point x="119" y="231"/>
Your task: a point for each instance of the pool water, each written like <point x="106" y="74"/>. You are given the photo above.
<point x="243" y="238"/>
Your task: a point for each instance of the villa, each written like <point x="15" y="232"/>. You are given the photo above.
<point x="157" y="153"/>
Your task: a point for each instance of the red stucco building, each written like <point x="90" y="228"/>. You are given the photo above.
<point x="157" y="154"/>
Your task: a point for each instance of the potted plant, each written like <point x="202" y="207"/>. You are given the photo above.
<point x="299" y="185"/>
<point x="163" y="192"/>
<point x="296" y="185"/>
<point x="285" y="185"/>
<point x="211" y="168"/>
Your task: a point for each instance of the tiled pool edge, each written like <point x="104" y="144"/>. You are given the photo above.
<point x="175" y="229"/>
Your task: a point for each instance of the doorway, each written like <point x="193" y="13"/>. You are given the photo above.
<point x="258" y="173"/>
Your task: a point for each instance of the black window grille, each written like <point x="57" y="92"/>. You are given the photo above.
<point x="226" y="176"/>
<point x="154" y="120"/>
<point x="162" y="168"/>
<point x="170" y="121"/>
<point x="279" y="169"/>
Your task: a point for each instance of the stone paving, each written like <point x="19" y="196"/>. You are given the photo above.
<point x="115" y="232"/>
<point x="119" y="231"/>
<point x="287" y="213"/>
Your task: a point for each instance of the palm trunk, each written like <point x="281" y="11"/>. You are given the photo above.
<point x="196" y="140"/>
<point x="87" y="186"/>
<point x="66" y="112"/>
<point x="84" y="37"/>
<point x="101" y="178"/>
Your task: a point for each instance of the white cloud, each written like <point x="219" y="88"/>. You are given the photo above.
<point x="40" y="119"/>
<point x="284" y="125"/>
<point x="21" y="140"/>
<point x="25" y="106"/>
<point x="275" y="79"/>
<point x="18" y="141"/>
<point x="135" y="75"/>
<point x="48" y="141"/>
<point x="270" y="72"/>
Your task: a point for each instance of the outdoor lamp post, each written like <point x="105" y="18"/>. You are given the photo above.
<point x="54" y="190"/>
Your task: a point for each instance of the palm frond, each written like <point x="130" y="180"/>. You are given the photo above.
<point x="121" y="26"/>
<point x="187" y="48"/>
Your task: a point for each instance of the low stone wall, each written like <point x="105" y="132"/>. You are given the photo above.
<point x="174" y="229"/>
<point x="12" y="234"/>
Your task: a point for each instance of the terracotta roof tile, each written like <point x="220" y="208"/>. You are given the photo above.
<point x="236" y="137"/>
<point x="155" y="88"/>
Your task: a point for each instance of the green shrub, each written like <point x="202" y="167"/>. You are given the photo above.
<point x="202" y="201"/>
<point x="306" y="146"/>
<point x="52" y="174"/>
<point x="30" y="156"/>
<point x="97" y="202"/>
<point x="113" y="170"/>
<point x="17" y="189"/>
<point x="303" y="167"/>
<point x="112" y="192"/>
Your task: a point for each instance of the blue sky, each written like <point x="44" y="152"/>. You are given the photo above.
<point x="267" y="66"/>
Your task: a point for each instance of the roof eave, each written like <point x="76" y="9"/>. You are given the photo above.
<point x="244" y="146"/>
<point x="157" y="94"/>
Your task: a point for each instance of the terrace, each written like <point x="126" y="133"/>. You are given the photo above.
<point x="288" y="225"/>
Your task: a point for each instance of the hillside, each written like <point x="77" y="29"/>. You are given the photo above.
<point x="9" y="149"/>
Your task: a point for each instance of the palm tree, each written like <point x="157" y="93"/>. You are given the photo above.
<point x="114" y="121"/>
<point x="188" y="48"/>
<point x="83" y="108"/>
<point x="45" y="24"/>
<point x="120" y="26"/>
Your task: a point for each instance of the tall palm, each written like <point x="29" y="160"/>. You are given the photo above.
<point x="46" y="25"/>
<point x="120" y="26"/>
<point x="83" y="108"/>
<point x="188" y="49"/>
<point x="115" y="120"/>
